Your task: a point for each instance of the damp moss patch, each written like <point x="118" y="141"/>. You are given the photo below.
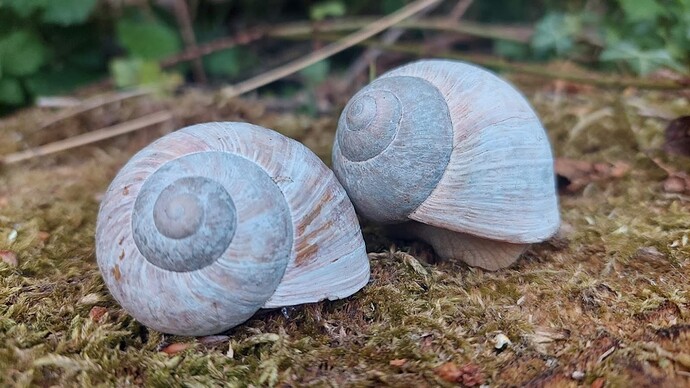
<point x="606" y="301"/>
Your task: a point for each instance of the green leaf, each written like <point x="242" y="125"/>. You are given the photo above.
<point x="68" y="12"/>
<point x="316" y="73"/>
<point x="62" y="80"/>
<point x="138" y="72"/>
<point x="389" y="6"/>
<point x="641" y="10"/>
<point x="229" y="62"/>
<point x="641" y="61"/>
<point x="125" y="72"/>
<point x="21" y="53"/>
<point x="511" y="50"/>
<point x="556" y="33"/>
<point x="24" y="8"/>
<point x="324" y="9"/>
<point x="147" y="40"/>
<point x="11" y="92"/>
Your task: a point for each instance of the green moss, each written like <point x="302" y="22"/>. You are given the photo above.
<point x="563" y="305"/>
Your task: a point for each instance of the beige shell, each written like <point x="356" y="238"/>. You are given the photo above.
<point x="453" y="155"/>
<point x="210" y="223"/>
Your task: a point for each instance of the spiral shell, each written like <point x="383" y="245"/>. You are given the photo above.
<point x="452" y="146"/>
<point x="210" y="223"/>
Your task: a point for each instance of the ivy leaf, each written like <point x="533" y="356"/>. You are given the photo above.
<point x="23" y="8"/>
<point x="68" y="12"/>
<point x="138" y="72"/>
<point x="510" y="50"/>
<point x="147" y="40"/>
<point x="229" y="62"/>
<point x="316" y="73"/>
<point x="641" y="61"/>
<point x="21" y="53"/>
<point x="390" y="6"/>
<point x="324" y="9"/>
<point x="555" y="33"/>
<point x="60" y="80"/>
<point x="11" y="92"/>
<point x="641" y="10"/>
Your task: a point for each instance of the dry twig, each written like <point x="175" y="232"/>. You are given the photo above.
<point x="523" y="68"/>
<point x="88" y="138"/>
<point x="369" y="56"/>
<point x="186" y="28"/>
<point x="94" y="103"/>
<point x="340" y="45"/>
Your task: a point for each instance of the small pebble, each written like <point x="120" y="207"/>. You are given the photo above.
<point x="578" y="375"/>
<point x="12" y="236"/>
<point x="501" y="341"/>
<point x="176" y="348"/>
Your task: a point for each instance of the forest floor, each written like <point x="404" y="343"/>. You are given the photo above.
<point x="605" y="303"/>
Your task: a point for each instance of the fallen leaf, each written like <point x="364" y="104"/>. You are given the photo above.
<point x="469" y="374"/>
<point x="398" y="362"/>
<point x="649" y="254"/>
<point x="598" y="383"/>
<point x="677" y="183"/>
<point x="177" y="347"/>
<point x="43" y="236"/>
<point x="97" y="312"/>
<point x="574" y="175"/>
<point x="9" y="258"/>
<point x="677" y="136"/>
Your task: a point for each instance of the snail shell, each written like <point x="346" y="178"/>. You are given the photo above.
<point x="453" y="154"/>
<point x="210" y="223"/>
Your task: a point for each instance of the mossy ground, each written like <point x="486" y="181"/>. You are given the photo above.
<point x="595" y="299"/>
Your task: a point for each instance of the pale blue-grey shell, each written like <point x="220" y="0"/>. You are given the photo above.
<point x="210" y="223"/>
<point x="450" y="145"/>
<point x="401" y="123"/>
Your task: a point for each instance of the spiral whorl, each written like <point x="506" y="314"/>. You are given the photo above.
<point x="393" y="142"/>
<point x="186" y="224"/>
<point x="372" y="121"/>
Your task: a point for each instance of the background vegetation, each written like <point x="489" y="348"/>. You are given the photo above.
<point x="51" y="47"/>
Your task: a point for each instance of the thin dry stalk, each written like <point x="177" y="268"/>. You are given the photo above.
<point x="185" y="21"/>
<point x="316" y="56"/>
<point x="369" y="56"/>
<point x="88" y="138"/>
<point x="94" y="103"/>
<point x="522" y="68"/>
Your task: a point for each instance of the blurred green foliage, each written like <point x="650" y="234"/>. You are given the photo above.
<point x="638" y="35"/>
<point x="50" y="46"/>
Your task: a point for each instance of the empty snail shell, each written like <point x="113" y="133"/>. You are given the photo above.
<point x="212" y="222"/>
<point x="455" y="156"/>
